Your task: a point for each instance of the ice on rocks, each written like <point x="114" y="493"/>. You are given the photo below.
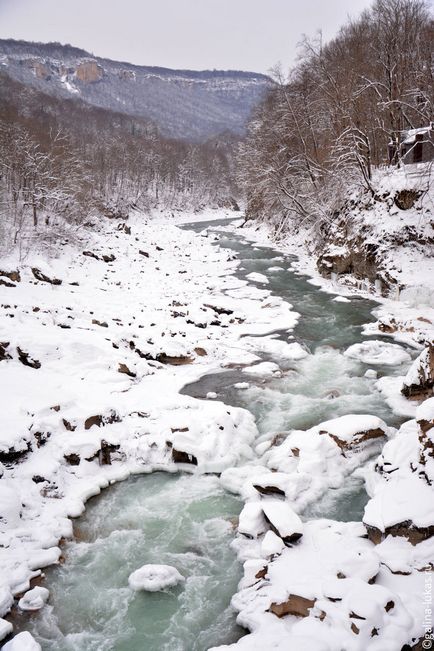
<point x="22" y="642"/>
<point x="6" y="628"/>
<point x="34" y="599"/>
<point x="409" y="499"/>
<point x="375" y="352"/>
<point x="264" y="369"/>
<point x="154" y="578"/>
<point x="283" y="520"/>
<point x="258" y="278"/>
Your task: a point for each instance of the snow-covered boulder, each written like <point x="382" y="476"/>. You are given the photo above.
<point x="154" y="578"/>
<point x="258" y="278"/>
<point x="351" y="430"/>
<point x="378" y="352"/>
<point x="419" y="381"/>
<point x="6" y="600"/>
<point x="252" y="522"/>
<point x="6" y="629"/>
<point x="34" y="599"/>
<point x="401" y="507"/>
<point x="22" y="642"/>
<point x="283" y="521"/>
<point x="264" y="370"/>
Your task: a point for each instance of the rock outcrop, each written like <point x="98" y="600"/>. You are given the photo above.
<point x="89" y="72"/>
<point x="419" y="381"/>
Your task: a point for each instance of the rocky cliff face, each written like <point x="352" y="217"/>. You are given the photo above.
<point x="183" y="104"/>
<point x="384" y="241"/>
<point x="89" y="72"/>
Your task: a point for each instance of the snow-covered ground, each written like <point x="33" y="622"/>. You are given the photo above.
<point x="90" y="370"/>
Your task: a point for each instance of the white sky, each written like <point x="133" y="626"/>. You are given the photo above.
<point x="197" y="34"/>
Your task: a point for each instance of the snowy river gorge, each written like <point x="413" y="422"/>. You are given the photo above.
<point x="189" y="519"/>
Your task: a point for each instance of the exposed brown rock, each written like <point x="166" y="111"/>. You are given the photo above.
<point x="45" y="279"/>
<point x="91" y="254"/>
<point x="268" y="489"/>
<point x="93" y="420"/>
<point x="219" y="310"/>
<point x="123" y="368"/>
<point x="11" y="455"/>
<point x="105" y="452"/>
<point x="294" y="605"/>
<point x="3" y="354"/>
<point x="125" y="228"/>
<point x="358" y="438"/>
<point x="12" y="275"/>
<point x="179" y="456"/>
<point x="201" y="352"/>
<point x="100" y="421"/>
<point x="89" y="72"/>
<point x="73" y="459"/>
<point x="173" y="360"/>
<point x="102" y="324"/>
<point x="41" y="438"/>
<point x="406" y="530"/>
<point x="26" y="359"/>
<point x="69" y="426"/>
<point x="405" y="199"/>
<point x="262" y="573"/>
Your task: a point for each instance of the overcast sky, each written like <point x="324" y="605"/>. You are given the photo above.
<point x="197" y="34"/>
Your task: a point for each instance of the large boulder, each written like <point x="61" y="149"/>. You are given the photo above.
<point x="294" y="605"/>
<point x="353" y="429"/>
<point x="419" y="381"/>
<point x="154" y="578"/>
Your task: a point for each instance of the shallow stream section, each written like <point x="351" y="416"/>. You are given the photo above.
<point x="185" y="521"/>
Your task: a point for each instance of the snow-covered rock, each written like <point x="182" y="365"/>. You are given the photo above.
<point x="154" y="578"/>
<point x="6" y="628"/>
<point x="22" y="642"/>
<point x="378" y="352"/>
<point x="353" y="429"/>
<point x="264" y="370"/>
<point x="419" y="381"/>
<point x="258" y="278"/>
<point x="283" y="520"/>
<point x="34" y="599"/>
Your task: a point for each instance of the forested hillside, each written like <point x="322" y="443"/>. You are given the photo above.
<point x="64" y="162"/>
<point x="344" y="107"/>
<point x="186" y="104"/>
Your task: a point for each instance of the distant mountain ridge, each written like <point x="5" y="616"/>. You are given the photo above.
<point x="187" y="104"/>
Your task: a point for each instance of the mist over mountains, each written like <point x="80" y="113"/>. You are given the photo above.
<point x="183" y="104"/>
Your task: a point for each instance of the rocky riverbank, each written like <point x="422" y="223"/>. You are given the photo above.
<point x="97" y="344"/>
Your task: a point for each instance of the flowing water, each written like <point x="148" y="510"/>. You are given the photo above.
<point x="185" y="520"/>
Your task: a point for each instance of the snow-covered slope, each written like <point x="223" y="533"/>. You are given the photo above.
<point x="386" y="241"/>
